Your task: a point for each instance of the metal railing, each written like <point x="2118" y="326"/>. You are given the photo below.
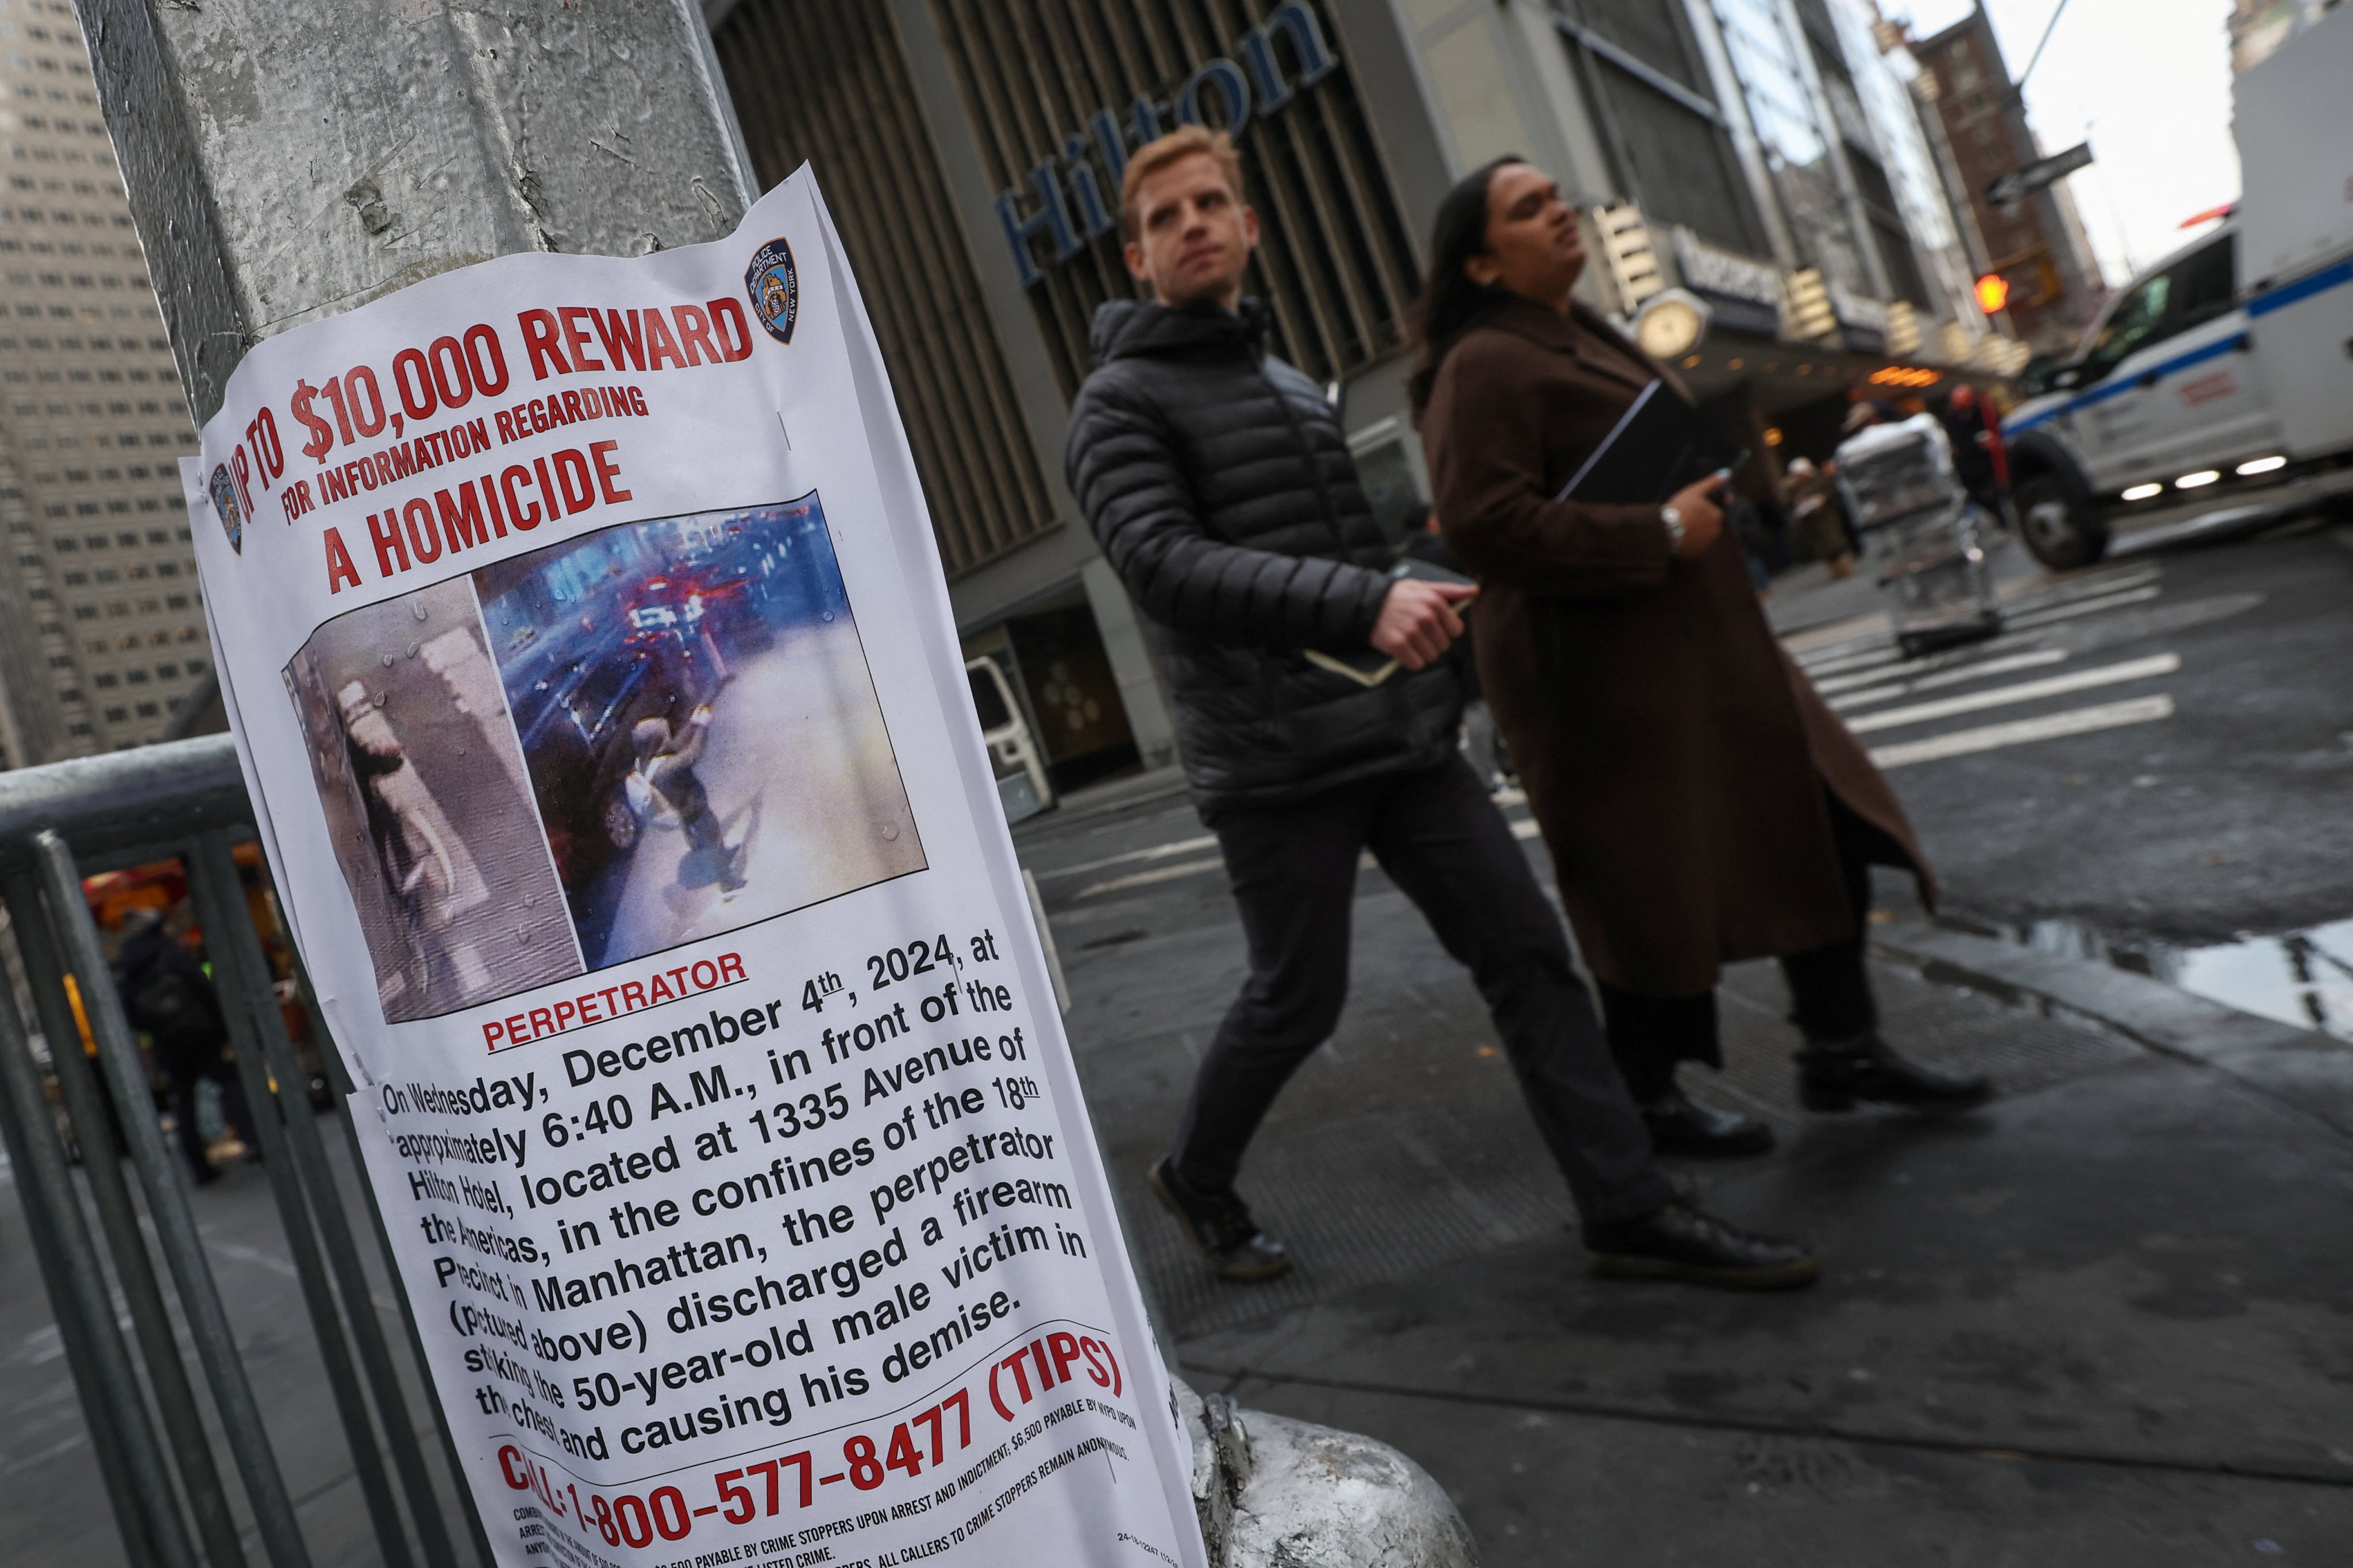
<point x="122" y="1319"/>
<point x="150" y="1347"/>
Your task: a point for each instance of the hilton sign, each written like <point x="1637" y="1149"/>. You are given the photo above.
<point x="1074" y="206"/>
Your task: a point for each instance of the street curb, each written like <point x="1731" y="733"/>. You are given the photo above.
<point x="2310" y="1072"/>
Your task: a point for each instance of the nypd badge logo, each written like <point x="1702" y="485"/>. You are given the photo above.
<point x="224" y="494"/>
<point x="774" y="287"/>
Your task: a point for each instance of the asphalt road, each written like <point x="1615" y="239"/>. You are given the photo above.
<point x="2206" y="806"/>
<point x="2081" y="1325"/>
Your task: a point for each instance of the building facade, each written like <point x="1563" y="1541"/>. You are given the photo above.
<point x="101" y="631"/>
<point x="1765" y="201"/>
<point x="1763" y="197"/>
<point x="2258" y="28"/>
<point x="2036" y="245"/>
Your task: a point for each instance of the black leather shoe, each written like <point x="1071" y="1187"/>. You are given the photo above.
<point x="1832" y="1077"/>
<point x="1679" y="1242"/>
<point x="1681" y="1125"/>
<point x="1220" y="1228"/>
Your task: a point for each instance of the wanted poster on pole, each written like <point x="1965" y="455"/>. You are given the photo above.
<point x="592" y="669"/>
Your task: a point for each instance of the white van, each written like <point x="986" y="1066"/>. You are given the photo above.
<point x="2230" y="363"/>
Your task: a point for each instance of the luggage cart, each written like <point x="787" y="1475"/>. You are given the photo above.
<point x="1920" y="532"/>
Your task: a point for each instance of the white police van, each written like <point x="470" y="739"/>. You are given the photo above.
<point x="2228" y="365"/>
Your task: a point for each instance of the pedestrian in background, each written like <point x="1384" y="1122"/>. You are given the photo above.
<point x="1977" y="458"/>
<point x="1218" y="480"/>
<point x="1701" y="804"/>
<point x="168" y="997"/>
<point x="1823" y="533"/>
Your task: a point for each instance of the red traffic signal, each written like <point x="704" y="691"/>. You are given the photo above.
<point x="1993" y="292"/>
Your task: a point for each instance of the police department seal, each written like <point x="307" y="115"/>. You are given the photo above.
<point x="224" y="494"/>
<point x="774" y="287"/>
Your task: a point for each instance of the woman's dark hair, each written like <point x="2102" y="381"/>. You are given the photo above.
<point x="1450" y="302"/>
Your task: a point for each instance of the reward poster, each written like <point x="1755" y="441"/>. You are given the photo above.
<point x="591" y="666"/>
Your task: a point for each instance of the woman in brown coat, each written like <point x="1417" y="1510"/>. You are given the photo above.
<point x="1702" y="803"/>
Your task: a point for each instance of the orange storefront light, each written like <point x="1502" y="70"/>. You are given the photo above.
<point x="1993" y="292"/>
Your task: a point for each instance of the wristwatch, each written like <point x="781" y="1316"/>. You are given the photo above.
<point x="1674" y="522"/>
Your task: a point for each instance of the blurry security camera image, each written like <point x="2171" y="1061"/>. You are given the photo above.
<point x="429" y="806"/>
<point x="701" y="732"/>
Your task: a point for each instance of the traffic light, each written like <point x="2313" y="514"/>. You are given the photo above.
<point x="1993" y="292"/>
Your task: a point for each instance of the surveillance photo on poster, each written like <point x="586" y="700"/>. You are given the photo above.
<point x="700" y="724"/>
<point x="429" y="806"/>
<point x="652" y="733"/>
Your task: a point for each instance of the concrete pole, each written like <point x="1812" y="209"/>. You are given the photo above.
<point x="287" y="162"/>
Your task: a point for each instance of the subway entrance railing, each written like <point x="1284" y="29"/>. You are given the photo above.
<point x="170" y="1408"/>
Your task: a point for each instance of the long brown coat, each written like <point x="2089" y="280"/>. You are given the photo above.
<point x="1674" y="754"/>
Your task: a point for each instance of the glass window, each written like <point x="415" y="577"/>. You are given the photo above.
<point x="1796" y="149"/>
<point x="2136" y="320"/>
<point x="1681" y="165"/>
<point x="2207" y="285"/>
<point x="1647" y="30"/>
<point x="988" y="700"/>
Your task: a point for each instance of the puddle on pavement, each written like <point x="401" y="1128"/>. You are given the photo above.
<point x="2303" y="977"/>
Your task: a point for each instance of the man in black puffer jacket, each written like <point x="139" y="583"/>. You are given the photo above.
<point x="1219" y="484"/>
<point x="1186" y="416"/>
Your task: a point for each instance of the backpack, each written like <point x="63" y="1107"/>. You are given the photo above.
<point x="177" y="1012"/>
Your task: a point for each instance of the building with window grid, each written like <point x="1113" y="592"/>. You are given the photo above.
<point x="101" y="632"/>
<point x="1761" y="165"/>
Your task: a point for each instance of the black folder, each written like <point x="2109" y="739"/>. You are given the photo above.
<point x="1660" y="444"/>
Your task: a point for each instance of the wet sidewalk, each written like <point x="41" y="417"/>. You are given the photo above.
<point x="2102" y="1320"/>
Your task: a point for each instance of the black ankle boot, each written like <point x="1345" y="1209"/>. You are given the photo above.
<point x="1680" y="1242"/>
<point x="1681" y="1125"/>
<point x="1219" y="1226"/>
<point x="1832" y="1075"/>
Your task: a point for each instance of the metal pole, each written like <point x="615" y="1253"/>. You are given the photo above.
<point x="80" y="1292"/>
<point x="288" y="1184"/>
<point x="419" y="139"/>
<point x="105" y="1442"/>
<point x="2018" y="87"/>
<point x="339" y="1079"/>
<point x="74" y="1334"/>
<point x="239" y="943"/>
<point x="119" y="1218"/>
<point x="538" y="126"/>
<point x="176" y="1226"/>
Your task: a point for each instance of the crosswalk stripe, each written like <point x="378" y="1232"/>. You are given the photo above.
<point x="1886" y="653"/>
<point x="1832" y="653"/>
<point x="1145" y="879"/>
<point x="2019" y="732"/>
<point x="2061" y="601"/>
<point x="1978" y="671"/>
<point x="1157" y="852"/>
<point x="2085" y="588"/>
<point x="2025" y="691"/>
<point x="1847" y="683"/>
<point x="2080" y="607"/>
